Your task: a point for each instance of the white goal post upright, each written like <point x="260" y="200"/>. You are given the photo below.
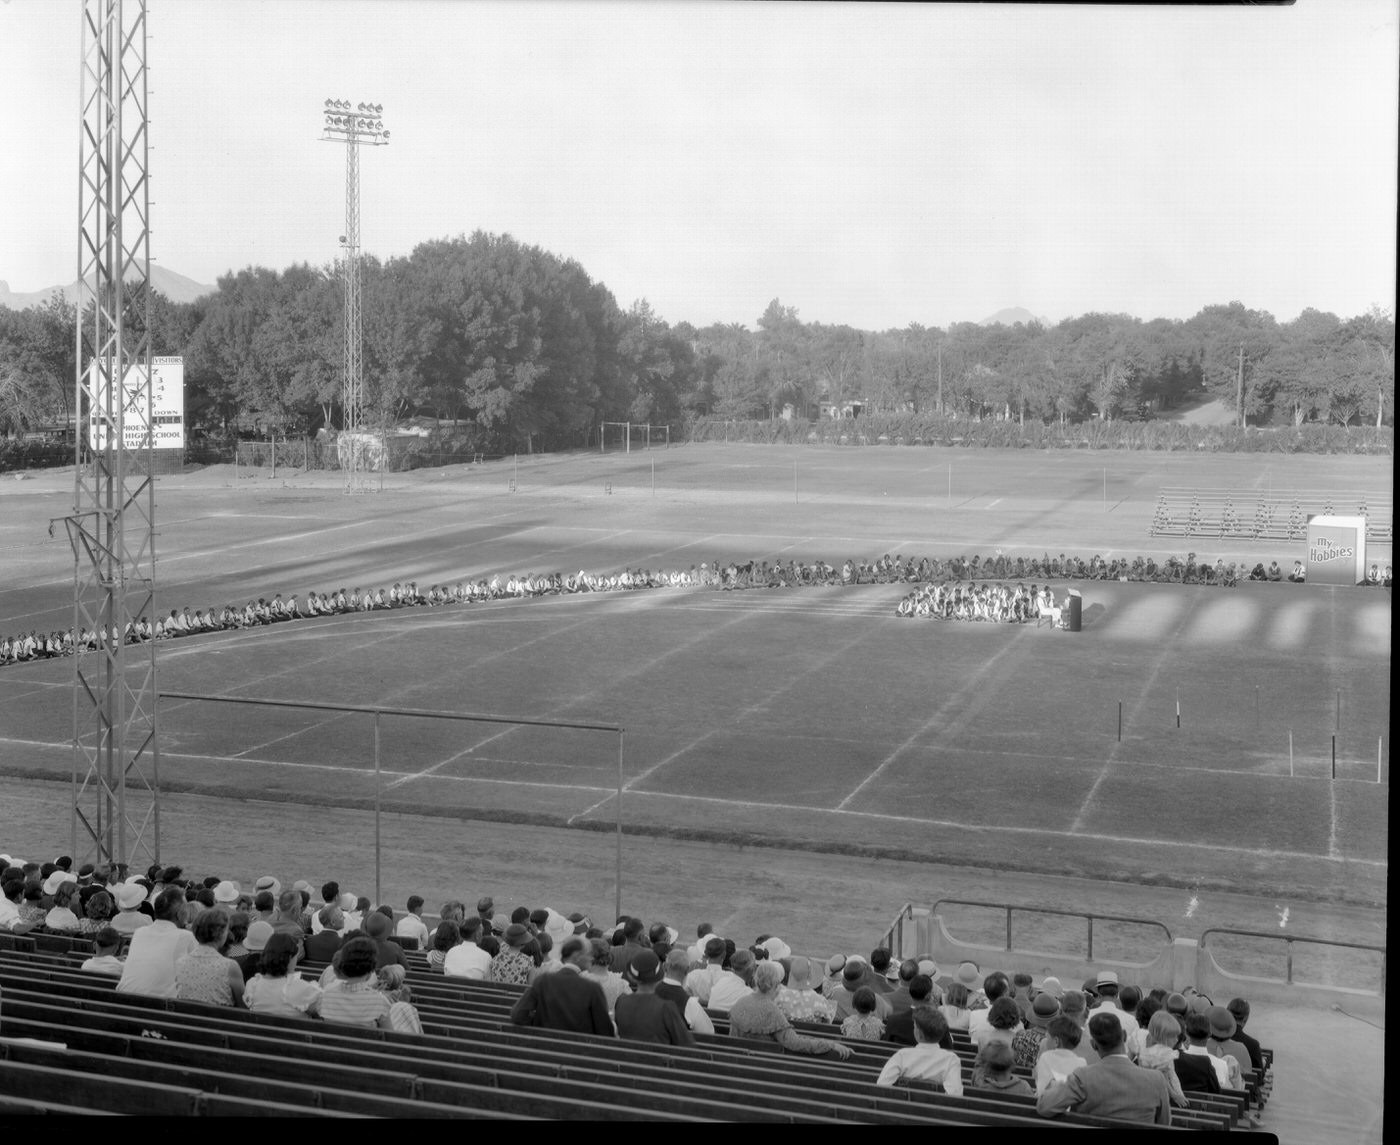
<point x="424" y="713"/>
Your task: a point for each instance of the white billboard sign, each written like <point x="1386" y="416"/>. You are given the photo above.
<point x="165" y="393"/>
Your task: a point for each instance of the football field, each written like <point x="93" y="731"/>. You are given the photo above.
<point x="805" y="717"/>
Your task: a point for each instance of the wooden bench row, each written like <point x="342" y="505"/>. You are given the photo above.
<point x="660" y="1081"/>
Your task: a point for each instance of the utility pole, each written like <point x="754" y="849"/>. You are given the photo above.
<point x="1239" y="388"/>
<point x="359" y="128"/>
<point x="940" y="379"/>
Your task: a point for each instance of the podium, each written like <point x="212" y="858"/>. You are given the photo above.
<point x="1074" y="610"/>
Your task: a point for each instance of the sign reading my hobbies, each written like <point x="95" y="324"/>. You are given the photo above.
<point x="1336" y="550"/>
<point x="165" y="393"/>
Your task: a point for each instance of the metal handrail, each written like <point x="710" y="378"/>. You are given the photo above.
<point x="1290" y="939"/>
<point x="1087" y="916"/>
<point x="894" y="936"/>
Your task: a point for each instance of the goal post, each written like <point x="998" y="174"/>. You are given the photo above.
<point x="379" y="714"/>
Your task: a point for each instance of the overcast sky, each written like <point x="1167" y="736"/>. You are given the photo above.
<point x="867" y="164"/>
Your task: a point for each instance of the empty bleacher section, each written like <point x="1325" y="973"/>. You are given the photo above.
<point x="1275" y="515"/>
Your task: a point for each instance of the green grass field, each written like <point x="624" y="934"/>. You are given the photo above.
<point x="803" y="717"/>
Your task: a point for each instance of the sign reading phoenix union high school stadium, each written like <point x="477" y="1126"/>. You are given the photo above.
<point x="165" y="389"/>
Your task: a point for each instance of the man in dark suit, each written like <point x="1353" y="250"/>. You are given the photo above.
<point x="1112" y="1086"/>
<point x="564" y="999"/>
<point x="899" y="1026"/>
<point x="322" y="945"/>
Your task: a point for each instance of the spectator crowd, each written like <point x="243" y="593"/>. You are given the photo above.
<point x="1105" y="1047"/>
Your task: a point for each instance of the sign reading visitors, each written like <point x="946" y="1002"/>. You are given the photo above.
<point x="163" y="394"/>
<point x="1336" y="550"/>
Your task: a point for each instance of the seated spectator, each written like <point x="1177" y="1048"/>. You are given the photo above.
<point x="855" y="974"/>
<point x="599" y="970"/>
<point x="1224" y="1047"/>
<point x="237" y="932"/>
<point x="31" y="907"/>
<point x="899" y="1027"/>
<point x="513" y="964"/>
<point x="1059" y="1054"/>
<point x="700" y="980"/>
<point x="863" y="1024"/>
<point x="992" y="1069"/>
<point x="1003" y="1021"/>
<point x="130" y="897"/>
<point x="994" y="986"/>
<point x="65" y="897"/>
<point x="1075" y="1006"/>
<point x="1159" y="1052"/>
<point x="1022" y="992"/>
<point x="898" y="998"/>
<point x="798" y="1001"/>
<point x="882" y="969"/>
<point x="390" y="953"/>
<point x="254" y="943"/>
<point x="104" y="958"/>
<point x="926" y="1062"/>
<point x="205" y="975"/>
<point x="326" y="937"/>
<point x="11" y="899"/>
<point x="447" y="937"/>
<point x="954" y="1008"/>
<point x="1026" y="1043"/>
<point x="1107" y="987"/>
<point x="412" y="928"/>
<point x="730" y="985"/>
<point x="352" y="995"/>
<point x="756" y="1015"/>
<point x="466" y="959"/>
<point x="567" y="1000"/>
<point x="97" y="913"/>
<point x="1197" y="1029"/>
<point x="646" y="1016"/>
<point x="1111" y="1087"/>
<point x="277" y="988"/>
<point x="155" y="949"/>
<point x="673" y="990"/>
<point x="634" y="941"/>
<point x="1239" y="1010"/>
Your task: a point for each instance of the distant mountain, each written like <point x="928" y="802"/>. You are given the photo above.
<point x="175" y="287"/>
<point x="1011" y="316"/>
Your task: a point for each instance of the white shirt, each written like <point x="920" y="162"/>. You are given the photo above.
<point x="1126" y="1020"/>
<point x="411" y="926"/>
<point x="150" y="963"/>
<point x="699" y="982"/>
<point x="927" y="1061"/>
<point x="1222" y="1071"/>
<point x="977" y="1020"/>
<point x="726" y="989"/>
<point x="9" y="914"/>
<point x="467" y="960"/>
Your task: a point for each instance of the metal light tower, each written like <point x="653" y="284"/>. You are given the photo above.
<point x="360" y="127"/>
<point x="112" y="529"/>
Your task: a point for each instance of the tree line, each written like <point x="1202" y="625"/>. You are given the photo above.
<point x="521" y="349"/>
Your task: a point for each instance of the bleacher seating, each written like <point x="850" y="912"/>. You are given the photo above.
<point x="1265" y="515"/>
<point x="157" y="1056"/>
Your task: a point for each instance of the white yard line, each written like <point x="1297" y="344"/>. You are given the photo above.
<point x="955" y="702"/>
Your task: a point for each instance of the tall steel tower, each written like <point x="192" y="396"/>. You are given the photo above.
<point x="116" y="811"/>
<point x="360" y="127"/>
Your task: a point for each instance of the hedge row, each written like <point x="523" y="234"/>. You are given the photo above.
<point x="919" y="429"/>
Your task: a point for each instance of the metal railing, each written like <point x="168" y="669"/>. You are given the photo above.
<point x="894" y="936"/>
<point x="1289" y="940"/>
<point x="1087" y="916"/>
